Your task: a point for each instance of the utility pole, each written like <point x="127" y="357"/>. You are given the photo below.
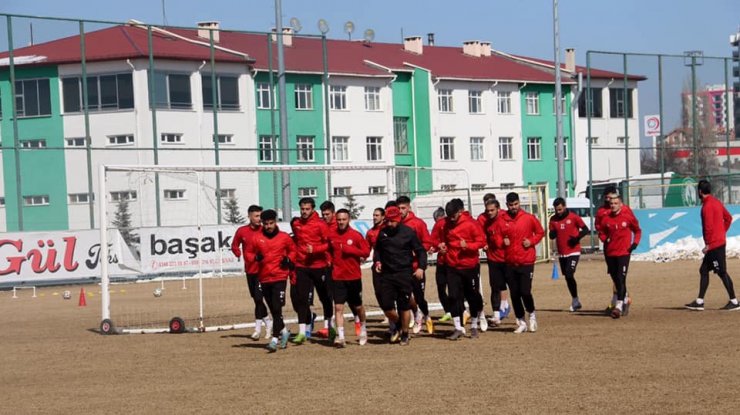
<point x="558" y="103"/>
<point x="282" y="102"/>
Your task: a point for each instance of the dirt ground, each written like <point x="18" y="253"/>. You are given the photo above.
<point x="660" y="359"/>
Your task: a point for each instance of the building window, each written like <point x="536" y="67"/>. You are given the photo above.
<point x="448" y="187"/>
<point x="227" y="92"/>
<point x="476" y="149"/>
<point x="447" y="148"/>
<point x="507" y="186"/>
<point x="79" y="198"/>
<point x="444" y="97"/>
<point x="104" y="93"/>
<point x="534" y="148"/>
<point x="264" y="96"/>
<point x="505" y="148"/>
<point x="303" y="97"/>
<point x="268" y="149"/>
<point x="75" y="142"/>
<point x="372" y="98"/>
<point x="621" y="140"/>
<point x="593" y="140"/>
<point x="618" y="105"/>
<point x="504" y="102"/>
<point x="338" y="97"/>
<point x="38" y="200"/>
<point x="478" y="187"/>
<point x="308" y="192"/>
<point x="475" y="104"/>
<point x="32" y="98"/>
<point x="401" y="135"/>
<point x="565" y="148"/>
<point x="304" y="148"/>
<point x="343" y="191"/>
<point x="340" y="148"/>
<point x="227" y="193"/>
<point x="374" y="148"/>
<point x="170" y="138"/>
<point x="562" y="103"/>
<point x="224" y="138"/>
<point x="403" y="182"/>
<point x="41" y="143"/>
<point x="376" y="190"/>
<point x="533" y="103"/>
<point x="593" y="96"/>
<point x="123" y="195"/>
<point x="174" y="194"/>
<point x="121" y="140"/>
<point x="172" y="91"/>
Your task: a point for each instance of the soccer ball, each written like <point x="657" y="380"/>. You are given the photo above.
<point x="67" y="295"/>
<point x="157" y="292"/>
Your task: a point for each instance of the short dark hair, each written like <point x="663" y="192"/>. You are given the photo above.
<point x="381" y="210"/>
<point x="705" y="187"/>
<point x="438" y="213"/>
<point x="254" y="208"/>
<point x="343" y="211"/>
<point x="403" y="200"/>
<point x="328" y="205"/>
<point x="512" y="197"/>
<point x="609" y="190"/>
<point x="454" y="206"/>
<point x="268" y="214"/>
<point x="307" y="201"/>
<point x="488" y="196"/>
<point x="558" y="202"/>
<point x="389" y="204"/>
<point x="493" y="202"/>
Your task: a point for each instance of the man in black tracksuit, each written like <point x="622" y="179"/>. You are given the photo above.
<point x="394" y="256"/>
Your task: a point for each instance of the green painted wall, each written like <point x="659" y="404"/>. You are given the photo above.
<point x="42" y="171"/>
<point x="544" y="125"/>
<point x="300" y="122"/>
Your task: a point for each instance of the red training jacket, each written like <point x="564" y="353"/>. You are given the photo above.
<point x="621" y="230"/>
<point x="715" y="222"/>
<point x="420" y="227"/>
<point x="348" y="249"/>
<point x="566" y="228"/>
<point x="242" y="238"/>
<point x="272" y="249"/>
<point x="482" y="219"/>
<point x="436" y="237"/>
<point x="495" y="248"/>
<point x="522" y="225"/>
<point x="371" y="236"/>
<point x="468" y="230"/>
<point x="312" y="231"/>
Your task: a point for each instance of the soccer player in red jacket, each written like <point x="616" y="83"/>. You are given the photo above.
<point x="603" y="211"/>
<point x="239" y="243"/>
<point x="520" y="232"/>
<point x="273" y="252"/>
<point x="462" y="238"/>
<point x="715" y="222"/>
<point x="348" y="249"/>
<point x="620" y="232"/>
<point x="567" y="229"/>
<point x="441" y="269"/>
<point x="418" y="302"/>
<point x="311" y="237"/>
<point x="495" y="258"/>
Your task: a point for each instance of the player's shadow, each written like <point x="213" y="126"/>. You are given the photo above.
<point x="254" y="345"/>
<point x="677" y="308"/>
<point x="591" y="313"/>
<point x="237" y="336"/>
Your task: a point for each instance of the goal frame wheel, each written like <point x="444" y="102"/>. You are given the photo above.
<point x="177" y="325"/>
<point x="107" y="327"/>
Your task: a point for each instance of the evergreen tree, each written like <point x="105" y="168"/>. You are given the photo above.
<point x="231" y="212"/>
<point x="355" y="209"/>
<point x="122" y="221"/>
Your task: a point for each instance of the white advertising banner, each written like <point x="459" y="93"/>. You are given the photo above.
<point x="37" y="257"/>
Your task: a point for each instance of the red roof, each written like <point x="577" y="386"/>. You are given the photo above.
<point x="305" y="55"/>
<point x="595" y="73"/>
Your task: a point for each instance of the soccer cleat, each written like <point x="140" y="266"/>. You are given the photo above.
<point x="483" y="323"/>
<point x="404" y="340"/>
<point x="358" y="328"/>
<point x="616" y="313"/>
<point x="731" y="307"/>
<point x="284" y="336"/>
<point x="339" y="343"/>
<point x="299" y="338"/>
<point x="332" y="334"/>
<point x="395" y="336"/>
<point x="505" y="312"/>
<point x="417" y="326"/>
<point x="626" y="306"/>
<point x="272" y="346"/>
<point x="323" y="333"/>
<point x="695" y="306"/>
<point x="532" y="324"/>
<point x="473" y="333"/>
<point x="446" y="317"/>
<point x="256" y="335"/>
<point x="430" y="325"/>
<point x="456" y="335"/>
<point x="521" y="326"/>
<point x="363" y="339"/>
<point x="608" y="310"/>
<point x="575" y="306"/>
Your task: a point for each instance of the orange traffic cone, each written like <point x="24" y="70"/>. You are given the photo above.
<point x="83" y="302"/>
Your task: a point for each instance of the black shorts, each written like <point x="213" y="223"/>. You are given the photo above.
<point x="497" y="275"/>
<point x="349" y="292"/>
<point x="715" y="260"/>
<point x="618" y="265"/>
<point x="395" y="289"/>
<point x="569" y="264"/>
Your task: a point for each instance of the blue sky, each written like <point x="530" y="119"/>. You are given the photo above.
<point x="515" y="26"/>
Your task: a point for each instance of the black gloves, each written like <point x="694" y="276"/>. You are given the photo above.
<point x="259" y="257"/>
<point x="632" y="248"/>
<point x="573" y="241"/>
<point x="553" y="234"/>
<point x="286" y="263"/>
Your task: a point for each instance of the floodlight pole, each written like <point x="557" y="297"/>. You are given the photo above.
<point x="282" y="106"/>
<point x="558" y="102"/>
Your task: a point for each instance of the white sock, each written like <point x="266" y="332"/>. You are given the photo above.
<point x="327" y="324"/>
<point x="619" y="305"/>
<point x="734" y="301"/>
<point x="341" y="333"/>
<point x="274" y="339"/>
<point x="456" y="321"/>
<point x="497" y="315"/>
<point x="357" y="319"/>
<point x="474" y="323"/>
<point x="363" y="329"/>
<point x="701" y="301"/>
<point x="504" y="305"/>
<point x="258" y="326"/>
<point x="301" y="328"/>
